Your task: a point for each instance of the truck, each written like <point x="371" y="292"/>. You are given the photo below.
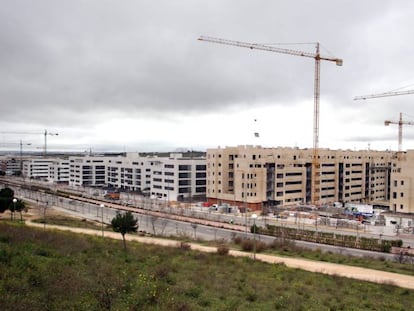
<point x="112" y="195"/>
<point x="359" y="209"/>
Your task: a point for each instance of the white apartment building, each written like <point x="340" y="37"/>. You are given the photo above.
<point x="50" y="169"/>
<point x="255" y="176"/>
<point x="174" y="177"/>
<point x="59" y="171"/>
<point x="87" y="171"/>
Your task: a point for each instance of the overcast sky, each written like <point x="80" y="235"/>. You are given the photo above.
<point x="132" y="76"/>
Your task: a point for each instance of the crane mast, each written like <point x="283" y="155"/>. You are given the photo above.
<point x="317" y="57"/>
<point x="400" y="124"/>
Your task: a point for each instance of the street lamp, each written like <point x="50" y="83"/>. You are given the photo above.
<point x="102" y="208"/>
<point x="254" y="216"/>
<point x="14" y="208"/>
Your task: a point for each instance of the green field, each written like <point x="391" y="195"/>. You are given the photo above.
<point x="403" y="265"/>
<point x="50" y="270"/>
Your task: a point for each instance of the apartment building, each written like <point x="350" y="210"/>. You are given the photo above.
<point x="87" y="171"/>
<point x="59" y="171"/>
<point x="10" y="165"/>
<point x="255" y="176"/>
<point x="53" y="169"/>
<point x="402" y="185"/>
<point x="174" y="177"/>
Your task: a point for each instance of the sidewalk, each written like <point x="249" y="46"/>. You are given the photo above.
<point x="357" y="273"/>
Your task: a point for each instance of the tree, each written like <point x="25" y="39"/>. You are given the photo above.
<point x="20" y="207"/>
<point x="6" y="199"/>
<point x="124" y="223"/>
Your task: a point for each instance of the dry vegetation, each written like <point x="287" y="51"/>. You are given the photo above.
<point x="47" y="270"/>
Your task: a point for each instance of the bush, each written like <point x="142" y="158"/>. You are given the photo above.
<point x="223" y="249"/>
<point x="247" y="245"/>
<point x="237" y="240"/>
<point x="184" y="245"/>
<point x="283" y="244"/>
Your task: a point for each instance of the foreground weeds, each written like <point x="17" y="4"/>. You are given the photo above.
<point x="47" y="270"/>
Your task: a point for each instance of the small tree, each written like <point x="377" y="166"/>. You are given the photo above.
<point x="20" y="207"/>
<point x="6" y="198"/>
<point x="124" y="223"/>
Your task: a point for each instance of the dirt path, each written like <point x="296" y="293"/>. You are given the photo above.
<point x="363" y="274"/>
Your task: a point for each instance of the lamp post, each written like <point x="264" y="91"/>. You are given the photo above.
<point x="102" y="225"/>
<point x="254" y="216"/>
<point x="14" y="208"/>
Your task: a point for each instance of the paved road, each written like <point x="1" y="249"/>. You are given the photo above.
<point x="363" y="274"/>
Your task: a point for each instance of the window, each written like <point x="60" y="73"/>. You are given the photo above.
<point x="184" y="167"/>
<point x="184" y="175"/>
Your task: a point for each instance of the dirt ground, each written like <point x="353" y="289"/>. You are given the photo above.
<point x="358" y="273"/>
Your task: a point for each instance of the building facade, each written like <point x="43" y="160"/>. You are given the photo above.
<point x="88" y="171"/>
<point x="59" y="171"/>
<point x="54" y="169"/>
<point x="402" y="184"/>
<point x="10" y="165"/>
<point x="256" y="176"/>
<point x="173" y="176"/>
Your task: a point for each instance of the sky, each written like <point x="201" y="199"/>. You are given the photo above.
<point x="127" y="75"/>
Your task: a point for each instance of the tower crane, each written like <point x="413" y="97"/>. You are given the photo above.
<point x="400" y="122"/>
<point x="45" y="133"/>
<point x="385" y="94"/>
<point x="317" y="57"/>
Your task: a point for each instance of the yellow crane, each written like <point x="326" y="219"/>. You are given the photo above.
<point x="317" y="57"/>
<point x="400" y="122"/>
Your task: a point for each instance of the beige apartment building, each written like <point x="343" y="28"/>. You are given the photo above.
<point x="402" y="184"/>
<point x="255" y="177"/>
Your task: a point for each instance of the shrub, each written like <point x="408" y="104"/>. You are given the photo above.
<point x="261" y="246"/>
<point x="184" y="245"/>
<point x="237" y="240"/>
<point x="247" y="245"/>
<point x="222" y="249"/>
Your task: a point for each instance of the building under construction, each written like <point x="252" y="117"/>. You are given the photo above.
<point x="257" y="177"/>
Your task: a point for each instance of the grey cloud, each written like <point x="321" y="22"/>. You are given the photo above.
<point x="73" y="63"/>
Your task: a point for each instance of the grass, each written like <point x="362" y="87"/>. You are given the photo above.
<point x="61" y="220"/>
<point x="286" y="248"/>
<point x="50" y="270"/>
